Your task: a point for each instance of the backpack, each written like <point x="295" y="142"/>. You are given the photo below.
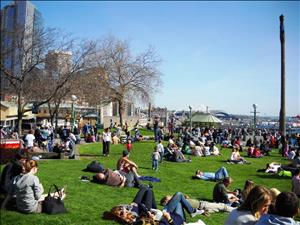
<point x="95" y="166"/>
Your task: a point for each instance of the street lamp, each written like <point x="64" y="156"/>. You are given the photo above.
<point x="254" y="121"/>
<point x="73" y="98"/>
<point x="190" y="117"/>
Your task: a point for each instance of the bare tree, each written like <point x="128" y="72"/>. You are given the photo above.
<point x="127" y="77"/>
<point x="91" y="86"/>
<point x="26" y="77"/>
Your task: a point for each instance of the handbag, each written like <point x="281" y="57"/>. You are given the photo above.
<point x="53" y="205"/>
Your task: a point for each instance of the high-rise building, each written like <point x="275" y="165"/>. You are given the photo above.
<point x="58" y="63"/>
<point x="20" y="21"/>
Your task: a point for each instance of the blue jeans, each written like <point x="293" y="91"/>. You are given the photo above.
<point x="177" y="204"/>
<point x="221" y="173"/>
<point x="161" y="156"/>
<point x="154" y="164"/>
<point x="155" y="130"/>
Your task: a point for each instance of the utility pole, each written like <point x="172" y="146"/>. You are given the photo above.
<point x="282" y="106"/>
<point x="190" y="118"/>
<point x="254" y="122"/>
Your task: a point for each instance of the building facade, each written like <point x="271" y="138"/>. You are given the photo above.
<point x="20" y="21"/>
<point x="58" y="63"/>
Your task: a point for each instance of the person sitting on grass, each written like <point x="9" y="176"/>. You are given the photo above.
<point x="116" y="178"/>
<point x="274" y="193"/>
<point x="214" y="149"/>
<point x="254" y="152"/>
<point x="12" y="169"/>
<point x="286" y="207"/>
<point x="255" y="205"/>
<point x="296" y="183"/>
<point x="218" y="175"/>
<point x="29" y="190"/>
<point x="223" y="195"/>
<point x="236" y="157"/>
<point x="126" y="165"/>
<point x="175" y="155"/>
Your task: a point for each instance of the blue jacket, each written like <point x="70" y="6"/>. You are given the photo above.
<point x="270" y="219"/>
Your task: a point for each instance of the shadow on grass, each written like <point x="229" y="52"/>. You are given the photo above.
<point x="91" y="155"/>
<point x="146" y="168"/>
<point x="196" y="178"/>
<point x="272" y="177"/>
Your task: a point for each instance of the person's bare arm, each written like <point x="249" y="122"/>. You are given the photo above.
<point x="130" y="162"/>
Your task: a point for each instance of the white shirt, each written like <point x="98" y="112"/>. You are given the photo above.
<point x="160" y="147"/>
<point x="72" y="137"/>
<point x="155" y="156"/>
<point x="106" y="136"/>
<point x="30" y="138"/>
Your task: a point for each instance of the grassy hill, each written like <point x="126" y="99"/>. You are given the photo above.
<point x="86" y="202"/>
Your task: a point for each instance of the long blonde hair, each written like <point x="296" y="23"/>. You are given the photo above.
<point x="249" y="184"/>
<point x="117" y="212"/>
<point x="255" y="200"/>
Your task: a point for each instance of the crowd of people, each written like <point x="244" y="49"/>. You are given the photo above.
<point x="254" y="204"/>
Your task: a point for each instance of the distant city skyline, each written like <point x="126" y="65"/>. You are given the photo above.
<point x="223" y="55"/>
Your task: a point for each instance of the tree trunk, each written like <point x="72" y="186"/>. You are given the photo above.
<point x="121" y="111"/>
<point x="20" y="116"/>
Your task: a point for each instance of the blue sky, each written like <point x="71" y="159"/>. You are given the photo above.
<point x="224" y="55"/>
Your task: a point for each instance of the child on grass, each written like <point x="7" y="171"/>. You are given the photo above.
<point x="129" y="145"/>
<point x="155" y="158"/>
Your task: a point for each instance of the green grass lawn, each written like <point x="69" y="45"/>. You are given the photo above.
<point x="86" y="202"/>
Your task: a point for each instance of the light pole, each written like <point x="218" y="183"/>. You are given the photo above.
<point x="190" y="117"/>
<point x="254" y="121"/>
<point x="73" y="98"/>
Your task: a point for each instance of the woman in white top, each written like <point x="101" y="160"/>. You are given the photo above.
<point x="106" y="137"/>
<point x="256" y="204"/>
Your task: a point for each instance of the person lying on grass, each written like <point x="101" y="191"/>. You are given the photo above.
<point x="208" y="207"/>
<point x="144" y="208"/>
<point x="116" y="178"/>
<point x="218" y="175"/>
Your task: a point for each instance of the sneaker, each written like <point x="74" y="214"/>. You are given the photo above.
<point x="197" y="212"/>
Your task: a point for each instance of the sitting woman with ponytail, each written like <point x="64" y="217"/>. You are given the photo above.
<point x="29" y="190"/>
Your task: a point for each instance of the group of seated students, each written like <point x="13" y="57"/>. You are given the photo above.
<point x="259" y="206"/>
<point x="22" y="187"/>
<point x="176" y="149"/>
